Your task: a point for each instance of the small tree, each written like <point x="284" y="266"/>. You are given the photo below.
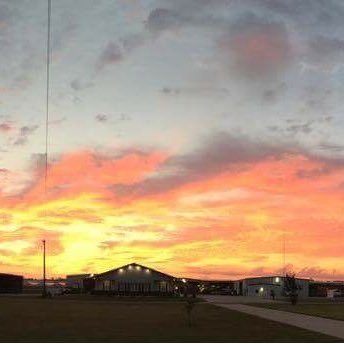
<point x="190" y="304"/>
<point x="291" y="288"/>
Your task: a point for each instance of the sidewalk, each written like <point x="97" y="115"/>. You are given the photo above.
<point x="330" y="327"/>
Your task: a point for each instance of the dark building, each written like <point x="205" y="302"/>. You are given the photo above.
<point x="323" y="289"/>
<point x="135" y="279"/>
<point x="11" y="283"/>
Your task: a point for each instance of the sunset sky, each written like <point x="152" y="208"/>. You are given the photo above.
<point x="191" y="136"/>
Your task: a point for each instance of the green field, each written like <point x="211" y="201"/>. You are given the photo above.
<point x="27" y="319"/>
<point x="325" y="310"/>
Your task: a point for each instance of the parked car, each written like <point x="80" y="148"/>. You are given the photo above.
<point x="55" y="291"/>
<point x="338" y="293"/>
<point x="334" y="293"/>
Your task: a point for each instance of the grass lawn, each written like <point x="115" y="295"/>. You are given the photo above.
<point x="28" y="319"/>
<point x="318" y="300"/>
<point x="325" y="310"/>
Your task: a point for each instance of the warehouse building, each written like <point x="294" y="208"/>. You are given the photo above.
<point x="135" y="279"/>
<point x="265" y="287"/>
<point x="77" y="282"/>
<point x="326" y="288"/>
<point x="11" y="283"/>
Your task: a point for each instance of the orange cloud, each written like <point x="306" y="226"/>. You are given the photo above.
<point x="5" y="127"/>
<point x="87" y="171"/>
<point x="225" y="220"/>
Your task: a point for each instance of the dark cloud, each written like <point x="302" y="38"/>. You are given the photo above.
<point x="111" y="54"/>
<point x="193" y="13"/>
<point x="37" y="161"/>
<point x="131" y="42"/>
<point x="221" y="152"/>
<point x="314" y="173"/>
<point x="254" y="47"/>
<point x="161" y="19"/>
<point x="170" y="91"/>
<point x="294" y="127"/>
<point x="255" y="40"/>
<point x="327" y="119"/>
<point x="317" y="12"/>
<point x="326" y="50"/>
<point x="114" y="53"/>
<point x="332" y="147"/>
<point x="308" y="18"/>
<point x="24" y="133"/>
<point x="102" y="118"/>
<point x="28" y="130"/>
<point x="258" y="39"/>
<point x="189" y="91"/>
<point x="304" y="128"/>
<point x="269" y="96"/>
<point x="272" y="94"/>
<point x="78" y="85"/>
<point x="5" y="15"/>
<point x="327" y="45"/>
<point x="124" y="117"/>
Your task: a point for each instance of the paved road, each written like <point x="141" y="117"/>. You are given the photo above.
<point x="330" y="327"/>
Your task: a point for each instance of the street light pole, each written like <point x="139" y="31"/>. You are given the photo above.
<point x="44" y="277"/>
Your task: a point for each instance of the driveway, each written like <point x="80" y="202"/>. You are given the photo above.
<point x="330" y="327"/>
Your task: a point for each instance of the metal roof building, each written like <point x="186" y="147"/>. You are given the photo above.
<point x="135" y="279"/>
<point x="11" y="283"/>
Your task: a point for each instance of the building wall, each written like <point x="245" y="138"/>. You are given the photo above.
<point x="134" y="280"/>
<point x="320" y="289"/>
<point x="11" y="283"/>
<point x="262" y="286"/>
<point x="76" y="281"/>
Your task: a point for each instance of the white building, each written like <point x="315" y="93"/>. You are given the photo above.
<point x="265" y="286"/>
<point x="135" y="279"/>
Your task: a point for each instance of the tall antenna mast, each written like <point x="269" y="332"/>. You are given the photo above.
<point x="44" y="294"/>
<point x="47" y="99"/>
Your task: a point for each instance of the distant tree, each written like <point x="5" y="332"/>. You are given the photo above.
<point x="291" y="288"/>
<point x="190" y="304"/>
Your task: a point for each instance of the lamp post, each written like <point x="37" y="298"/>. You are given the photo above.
<point x="44" y="293"/>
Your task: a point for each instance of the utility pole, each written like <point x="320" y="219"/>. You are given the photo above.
<point x="44" y="294"/>
<point x="284" y="268"/>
